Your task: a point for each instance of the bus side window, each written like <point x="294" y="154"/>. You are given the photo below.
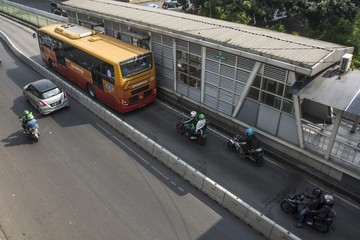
<point x="108" y="72"/>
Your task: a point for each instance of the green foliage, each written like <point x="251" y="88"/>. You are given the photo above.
<point x="335" y="21"/>
<point x="279" y="27"/>
<point x="345" y="32"/>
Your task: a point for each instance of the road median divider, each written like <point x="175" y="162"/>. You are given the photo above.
<point x="195" y="177"/>
<point x="214" y="190"/>
<point x="177" y="165"/>
<point x="160" y="153"/>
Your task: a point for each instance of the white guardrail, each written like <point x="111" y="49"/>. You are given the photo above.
<point x="235" y="205"/>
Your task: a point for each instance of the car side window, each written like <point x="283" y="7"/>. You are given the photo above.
<point x="33" y="91"/>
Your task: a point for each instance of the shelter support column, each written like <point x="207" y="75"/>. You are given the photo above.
<point x="336" y="125"/>
<point x="355" y="124"/>
<point x="298" y="120"/>
<point x="248" y="84"/>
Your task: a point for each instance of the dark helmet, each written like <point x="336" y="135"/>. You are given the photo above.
<point x="328" y="199"/>
<point x="317" y="192"/>
<point x="250" y="131"/>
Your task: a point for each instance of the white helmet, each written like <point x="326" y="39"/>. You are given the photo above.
<point x="193" y="114"/>
<point x="328" y="198"/>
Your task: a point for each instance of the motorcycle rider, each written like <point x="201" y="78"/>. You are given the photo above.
<point x="326" y="208"/>
<point x="311" y="205"/>
<point x="24" y="119"/>
<point x="31" y="123"/>
<point x="248" y="137"/>
<point x="190" y="123"/>
<point x="201" y="125"/>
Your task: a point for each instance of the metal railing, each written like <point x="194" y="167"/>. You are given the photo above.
<point x="317" y="138"/>
<point x="31" y="15"/>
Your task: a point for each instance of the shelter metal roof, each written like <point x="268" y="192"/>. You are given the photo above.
<point x="339" y="91"/>
<point x="313" y="55"/>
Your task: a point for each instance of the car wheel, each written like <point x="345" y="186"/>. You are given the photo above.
<point x="91" y="91"/>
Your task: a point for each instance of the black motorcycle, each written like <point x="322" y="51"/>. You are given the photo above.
<point x="256" y="155"/>
<point x="292" y="203"/>
<point x="198" y="136"/>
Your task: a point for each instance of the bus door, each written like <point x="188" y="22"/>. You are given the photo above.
<point x="59" y="50"/>
<point x="101" y="75"/>
<point x="109" y="81"/>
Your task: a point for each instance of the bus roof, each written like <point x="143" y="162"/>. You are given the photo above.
<point x="101" y="46"/>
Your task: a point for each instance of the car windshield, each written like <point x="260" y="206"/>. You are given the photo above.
<point x="51" y="93"/>
<point x="136" y="65"/>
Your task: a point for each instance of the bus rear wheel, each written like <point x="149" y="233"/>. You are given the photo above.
<point x="91" y="91"/>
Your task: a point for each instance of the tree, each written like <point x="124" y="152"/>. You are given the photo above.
<point x="330" y="20"/>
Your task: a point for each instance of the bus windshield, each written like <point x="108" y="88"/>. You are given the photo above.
<point x="136" y="65"/>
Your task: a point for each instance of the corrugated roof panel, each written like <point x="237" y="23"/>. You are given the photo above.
<point x="323" y="89"/>
<point x="292" y="49"/>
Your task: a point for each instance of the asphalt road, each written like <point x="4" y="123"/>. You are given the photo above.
<point x="83" y="180"/>
<point x="263" y="188"/>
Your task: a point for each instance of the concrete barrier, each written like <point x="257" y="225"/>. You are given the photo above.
<point x="134" y="135"/>
<point x="235" y="205"/>
<point x="121" y="127"/>
<point x="214" y="190"/>
<point x="278" y="232"/>
<point x="195" y="177"/>
<point x="160" y="153"/>
<point x="177" y="165"/>
<point x="146" y="143"/>
<point x="110" y="118"/>
<point x="259" y="221"/>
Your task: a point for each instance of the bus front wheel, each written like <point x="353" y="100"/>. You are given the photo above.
<point x="51" y="64"/>
<point x="91" y="91"/>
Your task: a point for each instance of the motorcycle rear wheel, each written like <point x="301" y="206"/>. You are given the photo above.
<point x="35" y="137"/>
<point x="321" y="226"/>
<point x="286" y="206"/>
<point x="259" y="160"/>
<point x="200" y="140"/>
<point x="180" y="128"/>
<point x="231" y="146"/>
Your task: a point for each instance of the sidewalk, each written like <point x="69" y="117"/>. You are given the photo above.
<point x="22" y="42"/>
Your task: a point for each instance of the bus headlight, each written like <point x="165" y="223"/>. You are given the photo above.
<point x="124" y="102"/>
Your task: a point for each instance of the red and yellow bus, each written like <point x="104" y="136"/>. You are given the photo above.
<point x="116" y="73"/>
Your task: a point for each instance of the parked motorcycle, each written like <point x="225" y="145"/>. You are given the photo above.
<point x="256" y="155"/>
<point x="198" y="136"/>
<point x="292" y="203"/>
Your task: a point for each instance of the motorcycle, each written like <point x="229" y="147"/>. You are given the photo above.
<point x="292" y="203"/>
<point x="256" y="155"/>
<point x="199" y="136"/>
<point x="32" y="132"/>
